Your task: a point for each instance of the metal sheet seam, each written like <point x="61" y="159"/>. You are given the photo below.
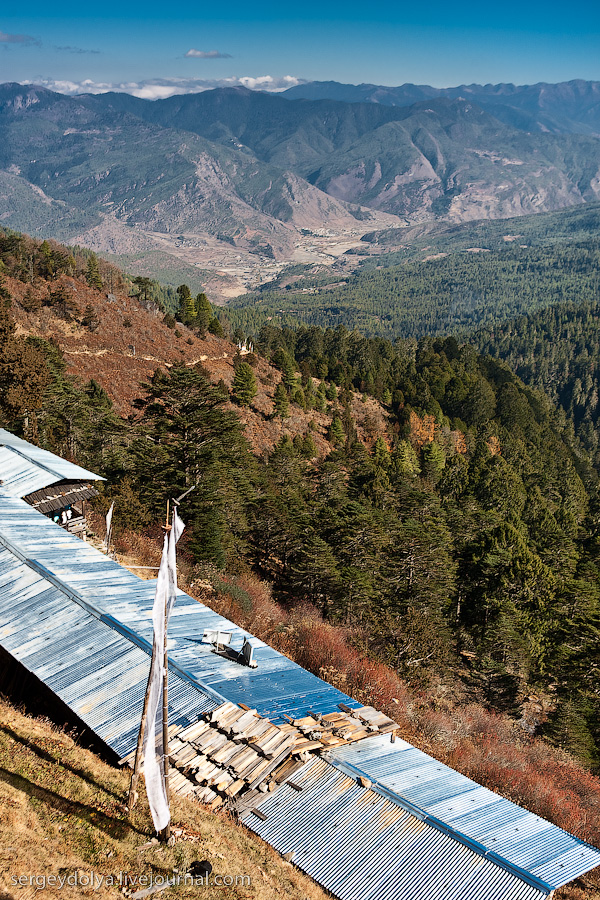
<point x="111" y="622"/>
<point x="481" y="849"/>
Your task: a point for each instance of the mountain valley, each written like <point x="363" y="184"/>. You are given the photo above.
<point x="235" y="183"/>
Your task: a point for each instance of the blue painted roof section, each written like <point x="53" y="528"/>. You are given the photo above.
<point x="25" y="468"/>
<point x="81" y="658"/>
<point x="367" y="847"/>
<point x="276" y="687"/>
<point x="443" y="796"/>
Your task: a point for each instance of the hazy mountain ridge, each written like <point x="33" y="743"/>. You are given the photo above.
<point x="397" y="159"/>
<point x="567" y="107"/>
<point x="87" y="154"/>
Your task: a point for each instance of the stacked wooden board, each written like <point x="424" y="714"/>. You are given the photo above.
<point x="232" y="755"/>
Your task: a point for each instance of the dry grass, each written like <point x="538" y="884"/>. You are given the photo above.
<point x="62" y="813"/>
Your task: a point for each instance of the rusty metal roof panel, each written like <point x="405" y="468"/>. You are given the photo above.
<point x="25" y="468"/>
<point x="516" y="836"/>
<point x="367" y="847"/>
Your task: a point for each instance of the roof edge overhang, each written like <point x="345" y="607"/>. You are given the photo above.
<point x="434" y="822"/>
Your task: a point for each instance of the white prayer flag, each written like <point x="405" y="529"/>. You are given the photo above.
<point x="154" y="751"/>
<point x="109" y="525"/>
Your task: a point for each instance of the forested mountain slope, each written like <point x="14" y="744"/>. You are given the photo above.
<point x="558" y="351"/>
<point x="426" y="522"/>
<point x="444" y="293"/>
<point x="448" y="518"/>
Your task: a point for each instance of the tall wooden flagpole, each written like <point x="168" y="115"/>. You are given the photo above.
<point x="139" y="752"/>
<point x="166" y="832"/>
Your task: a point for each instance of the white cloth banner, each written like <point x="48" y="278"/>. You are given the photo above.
<point x="154" y="751"/>
<point x="109" y="524"/>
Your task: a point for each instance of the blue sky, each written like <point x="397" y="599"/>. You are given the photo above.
<point x="135" y="46"/>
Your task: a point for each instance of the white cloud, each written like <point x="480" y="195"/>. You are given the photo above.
<point x="207" y="54"/>
<point x="17" y="39"/>
<point x="161" y="88"/>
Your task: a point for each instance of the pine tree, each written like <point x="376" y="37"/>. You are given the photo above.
<point x="283" y="361"/>
<point x="187" y="306"/>
<point x="144" y="287"/>
<point x="282" y="406"/>
<point x="299" y="398"/>
<point x="308" y="449"/>
<point x="215" y="327"/>
<point x="24" y="376"/>
<point x="90" y="318"/>
<point x="337" y="435"/>
<point x="186" y="438"/>
<point x="434" y="460"/>
<point x="47" y="264"/>
<point x="244" y="384"/>
<point x="92" y="273"/>
<point x="204" y="313"/>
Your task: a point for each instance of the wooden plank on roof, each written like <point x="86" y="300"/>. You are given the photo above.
<point x="216" y="715"/>
<point x="357" y="735"/>
<point x="193" y="731"/>
<point x="302" y="746"/>
<point x="235" y="788"/>
<point x="245" y="721"/>
<point x="226" y="721"/>
<point x="260" y="814"/>
<point x="227" y="750"/>
<point x="248" y="757"/>
<point x="260" y="771"/>
<point x="272" y="765"/>
<point x="225" y="781"/>
<point x="305" y="722"/>
<point x="288" y="769"/>
<point x="257" y="731"/>
<point x="175" y="745"/>
<point x="218" y="775"/>
<point x="183" y="755"/>
<point x="211" y="740"/>
<point x="287" y="741"/>
<point x="196" y="762"/>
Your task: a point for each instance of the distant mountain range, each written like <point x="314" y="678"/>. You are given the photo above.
<point x="253" y="169"/>
<point x="572" y="107"/>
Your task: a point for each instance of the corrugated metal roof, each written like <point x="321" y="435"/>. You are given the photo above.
<point x="81" y="658"/>
<point x="25" y="468"/>
<point x="427" y="787"/>
<point x="78" y="619"/>
<point x="367" y="847"/>
<point x="276" y="687"/>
